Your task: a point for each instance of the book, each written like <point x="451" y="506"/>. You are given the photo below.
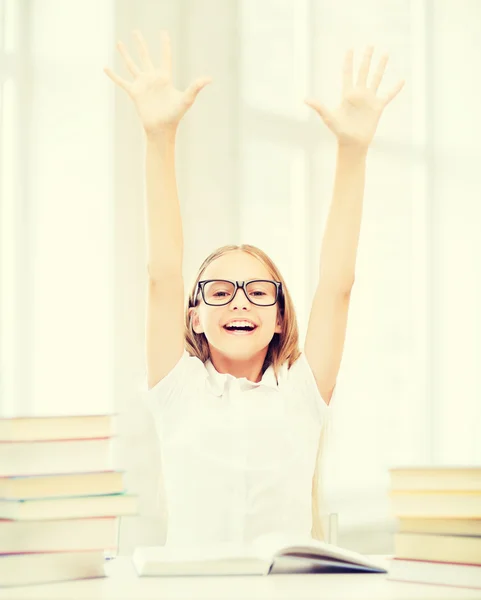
<point x="440" y="478"/>
<point x="440" y="573"/>
<point x="445" y="504"/>
<point x="35" y="509"/>
<point x="50" y="457"/>
<point x="27" y="569"/>
<point x="58" y="536"/>
<point x="439" y="548"/>
<point x="24" y="429"/>
<point x="67" y="484"/>
<point x="268" y="554"/>
<point x="436" y="525"/>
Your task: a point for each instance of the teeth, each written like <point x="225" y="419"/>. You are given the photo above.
<point x="239" y="324"/>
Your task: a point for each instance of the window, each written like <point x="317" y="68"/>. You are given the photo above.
<point x="288" y="168"/>
<point x="56" y="244"/>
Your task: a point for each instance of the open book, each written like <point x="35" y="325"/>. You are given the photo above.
<point x="268" y="554"/>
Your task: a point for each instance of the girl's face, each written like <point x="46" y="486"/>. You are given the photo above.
<point x="210" y="320"/>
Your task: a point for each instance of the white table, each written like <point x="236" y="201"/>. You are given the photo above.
<point x="124" y="584"/>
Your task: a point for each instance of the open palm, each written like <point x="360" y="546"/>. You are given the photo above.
<point x="159" y="104"/>
<point x="355" y="120"/>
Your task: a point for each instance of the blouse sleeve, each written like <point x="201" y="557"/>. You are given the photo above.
<point x="172" y="392"/>
<point x="302" y="380"/>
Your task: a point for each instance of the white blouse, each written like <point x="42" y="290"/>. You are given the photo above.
<point x="238" y="457"/>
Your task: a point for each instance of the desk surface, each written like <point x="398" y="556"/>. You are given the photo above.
<point x="124" y="584"/>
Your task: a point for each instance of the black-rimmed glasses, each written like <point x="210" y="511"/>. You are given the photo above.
<point x="218" y="292"/>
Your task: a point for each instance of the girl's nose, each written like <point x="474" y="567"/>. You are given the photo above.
<point x="240" y="299"/>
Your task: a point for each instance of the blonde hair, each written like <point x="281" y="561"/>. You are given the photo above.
<point x="283" y="347"/>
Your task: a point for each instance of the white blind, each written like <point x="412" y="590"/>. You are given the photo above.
<point x="70" y="205"/>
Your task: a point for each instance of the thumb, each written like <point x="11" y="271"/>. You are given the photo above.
<point x="195" y="87"/>
<point x="321" y="110"/>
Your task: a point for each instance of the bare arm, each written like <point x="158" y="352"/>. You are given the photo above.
<point x="160" y="107"/>
<point x="354" y="123"/>
<point x="163" y="219"/>
<point x="164" y="334"/>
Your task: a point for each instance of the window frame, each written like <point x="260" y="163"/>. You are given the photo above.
<point x="16" y="67"/>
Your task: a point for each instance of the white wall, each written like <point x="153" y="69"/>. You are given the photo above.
<point x="455" y="218"/>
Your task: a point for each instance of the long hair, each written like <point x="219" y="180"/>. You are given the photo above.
<point x="283" y="347"/>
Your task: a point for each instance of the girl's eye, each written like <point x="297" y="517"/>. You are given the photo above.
<point x="217" y="293"/>
<point x="262" y="293"/>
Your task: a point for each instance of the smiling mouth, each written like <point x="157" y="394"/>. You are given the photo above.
<point x="239" y="330"/>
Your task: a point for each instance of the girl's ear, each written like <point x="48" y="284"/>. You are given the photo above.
<point x="194" y="317"/>
<point x="278" y="326"/>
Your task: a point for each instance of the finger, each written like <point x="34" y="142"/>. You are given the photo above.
<point x="194" y="88"/>
<point x="364" y="69"/>
<point x="131" y="66"/>
<point x="166" y="54"/>
<point x="118" y="80"/>
<point x="394" y="92"/>
<point x="321" y="110"/>
<point x="347" y="72"/>
<point x="143" y="51"/>
<point x="379" y="74"/>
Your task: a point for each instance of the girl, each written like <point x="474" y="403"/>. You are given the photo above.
<point x="239" y="409"/>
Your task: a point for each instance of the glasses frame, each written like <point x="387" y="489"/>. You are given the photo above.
<point x="238" y="284"/>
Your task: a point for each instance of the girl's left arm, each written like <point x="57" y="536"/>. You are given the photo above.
<point x="354" y="123"/>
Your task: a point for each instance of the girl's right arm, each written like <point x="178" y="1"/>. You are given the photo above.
<point x="160" y="107"/>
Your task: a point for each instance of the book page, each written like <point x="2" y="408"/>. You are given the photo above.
<point x="272" y="544"/>
<point x="207" y="559"/>
<point x="200" y="552"/>
<point x="277" y="545"/>
<point x="297" y="564"/>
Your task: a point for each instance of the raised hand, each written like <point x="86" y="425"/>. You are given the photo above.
<point x="355" y="120"/>
<point x="159" y="104"/>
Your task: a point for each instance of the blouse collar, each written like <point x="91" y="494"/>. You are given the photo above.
<point x="218" y="381"/>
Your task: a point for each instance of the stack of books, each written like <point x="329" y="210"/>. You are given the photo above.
<point x="60" y="498"/>
<point x="438" y="514"/>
